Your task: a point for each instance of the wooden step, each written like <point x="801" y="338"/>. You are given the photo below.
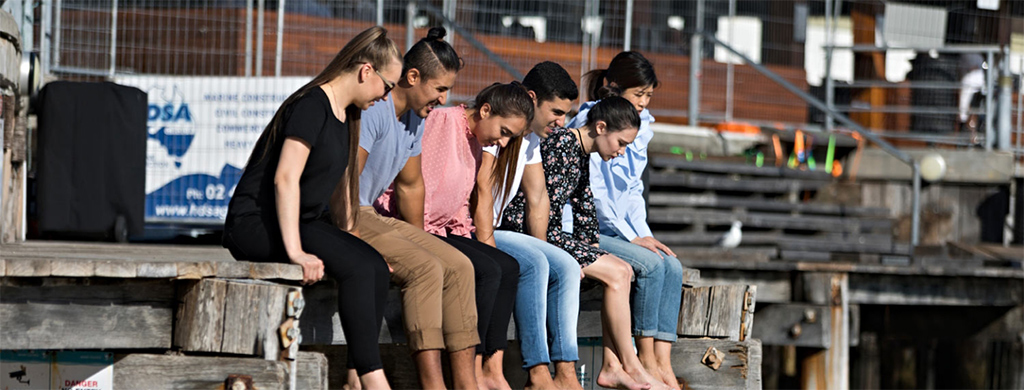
<point x="680" y="215"/>
<point x="771" y="237"/>
<point x="727" y="183"/>
<point x="736" y="169"/>
<point x="710" y="200"/>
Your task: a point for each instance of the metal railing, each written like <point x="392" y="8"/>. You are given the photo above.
<point x="889" y="148"/>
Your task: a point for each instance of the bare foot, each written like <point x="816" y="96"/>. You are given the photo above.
<point x="567" y="384"/>
<point x="490" y="381"/>
<point x="565" y="376"/>
<point x="540" y="382"/>
<point x="668" y="376"/>
<point x="641" y="375"/>
<point x="616" y="378"/>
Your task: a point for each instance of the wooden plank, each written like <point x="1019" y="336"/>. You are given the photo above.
<point x="695" y="311"/>
<point x="882" y="289"/>
<point x="772" y="287"/>
<point x="241" y="306"/>
<point x="724" y="183"/>
<point x="116" y="269"/>
<point x="232" y="269"/>
<point x="68" y="314"/>
<point x="691" y="276"/>
<point x="712" y="200"/>
<point x="791" y="324"/>
<point x="312" y="371"/>
<point x="72" y="268"/>
<point x="674" y="215"/>
<point x="771" y="238"/>
<point x="195" y="269"/>
<point x="3" y="266"/>
<point x="741" y="368"/>
<point x="199" y="323"/>
<point x="157" y="270"/>
<point x="269" y="318"/>
<point x="28" y="267"/>
<point x="275" y="271"/>
<point x="726" y="311"/>
<point x="140" y="371"/>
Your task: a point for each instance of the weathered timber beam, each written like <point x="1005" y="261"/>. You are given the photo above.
<point x="883" y="289"/>
<point x="740" y="369"/>
<point x="141" y="371"/>
<point x="801" y="325"/>
<point x="68" y="314"/>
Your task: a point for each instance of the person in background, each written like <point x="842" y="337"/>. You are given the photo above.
<point x="548" y="299"/>
<point x="453" y="142"/>
<point x="438" y="301"/>
<point x="612" y="124"/>
<point x="622" y="216"/>
<point x="304" y="164"/>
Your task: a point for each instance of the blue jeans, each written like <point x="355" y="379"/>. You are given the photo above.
<point x="549" y="294"/>
<point x="656" y="292"/>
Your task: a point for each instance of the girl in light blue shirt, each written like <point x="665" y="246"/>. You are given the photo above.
<point x="622" y="215"/>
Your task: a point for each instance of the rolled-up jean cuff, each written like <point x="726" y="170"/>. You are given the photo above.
<point x="424" y="339"/>
<point x="645" y="333"/>
<point x="461" y="340"/>
<point x="669" y="337"/>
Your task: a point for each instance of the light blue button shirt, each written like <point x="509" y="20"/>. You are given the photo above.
<point x="617" y="185"/>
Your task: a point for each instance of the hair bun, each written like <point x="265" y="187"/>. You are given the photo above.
<point x="608" y="91"/>
<point x="436" y="34"/>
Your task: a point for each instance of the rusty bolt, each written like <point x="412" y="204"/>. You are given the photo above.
<point x="299" y="304"/>
<point x="238" y="382"/>
<point x="810" y="316"/>
<point x="796" y="331"/>
<point x="293" y="333"/>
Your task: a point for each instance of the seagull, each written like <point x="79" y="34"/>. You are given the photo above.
<point x="731" y="239"/>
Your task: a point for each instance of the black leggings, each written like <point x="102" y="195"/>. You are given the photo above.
<point x="497" y="277"/>
<point x="362" y="276"/>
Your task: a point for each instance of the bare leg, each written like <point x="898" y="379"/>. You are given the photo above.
<point x="539" y="378"/>
<point x="494" y="373"/>
<point x="352" y="381"/>
<point x="428" y="363"/>
<point x="565" y="376"/>
<point x="463" y="368"/>
<point x="478" y="370"/>
<point x="630" y="374"/>
<point x="663" y="353"/>
<point x="645" y="351"/>
<point x="375" y="380"/>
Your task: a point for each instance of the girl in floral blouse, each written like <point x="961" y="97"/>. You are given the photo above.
<point x="612" y="125"/>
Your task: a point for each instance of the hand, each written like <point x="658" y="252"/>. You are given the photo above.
<point x="312" y="267"/>
<point x="582" y="275"/>
<point x="653" y="245"/>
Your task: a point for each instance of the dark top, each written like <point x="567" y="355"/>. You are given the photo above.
<point x="567" y="169"/>
<point x="311" y="119"/>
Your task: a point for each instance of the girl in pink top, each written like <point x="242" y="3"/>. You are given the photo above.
<point x="453" y="140"/>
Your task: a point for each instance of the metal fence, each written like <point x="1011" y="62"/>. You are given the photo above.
<point x="845" y="52"/>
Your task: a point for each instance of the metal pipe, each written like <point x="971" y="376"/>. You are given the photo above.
<point x="56" y="35"/>
<point x="45" y="35"/>
<point x="410" y="26"/>
<point x="248" y="38"/>
<point x="628" y="34"/>
<point x="1020" y="111"/>
<point x="899" y="154"/>
<point x="280" y="38"/>
<point x="990" y="82"/>
<point x="1005" y="89"/>
<point x="113" y="38"/>
<point x="830" y="34"/>
<point x="729" y="66"/>
<point x="380" y="12"/>
<point x="696" y="41"/>
<point x="915" y="207"/>
<point x="516" y="75"/>
<point x="259" y="37"/>
<point x="584" y="54"/>
<point x="448" y="9"/>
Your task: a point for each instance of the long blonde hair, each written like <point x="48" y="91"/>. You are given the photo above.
<point x="371" y="46"/>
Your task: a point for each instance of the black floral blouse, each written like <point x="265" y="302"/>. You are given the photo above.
<point x="567" y="169"/>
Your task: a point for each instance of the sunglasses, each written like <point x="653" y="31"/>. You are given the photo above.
<point x="388" y="86"/>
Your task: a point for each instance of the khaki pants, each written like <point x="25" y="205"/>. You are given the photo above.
<point x="438" y="300"/>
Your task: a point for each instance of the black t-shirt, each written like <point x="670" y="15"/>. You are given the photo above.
<point x="311" y="119"/>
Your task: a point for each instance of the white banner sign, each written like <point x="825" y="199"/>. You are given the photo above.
<point x="201" y="132"/>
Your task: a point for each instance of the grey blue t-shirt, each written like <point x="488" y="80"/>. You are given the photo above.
<point x="390" y="143"/>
